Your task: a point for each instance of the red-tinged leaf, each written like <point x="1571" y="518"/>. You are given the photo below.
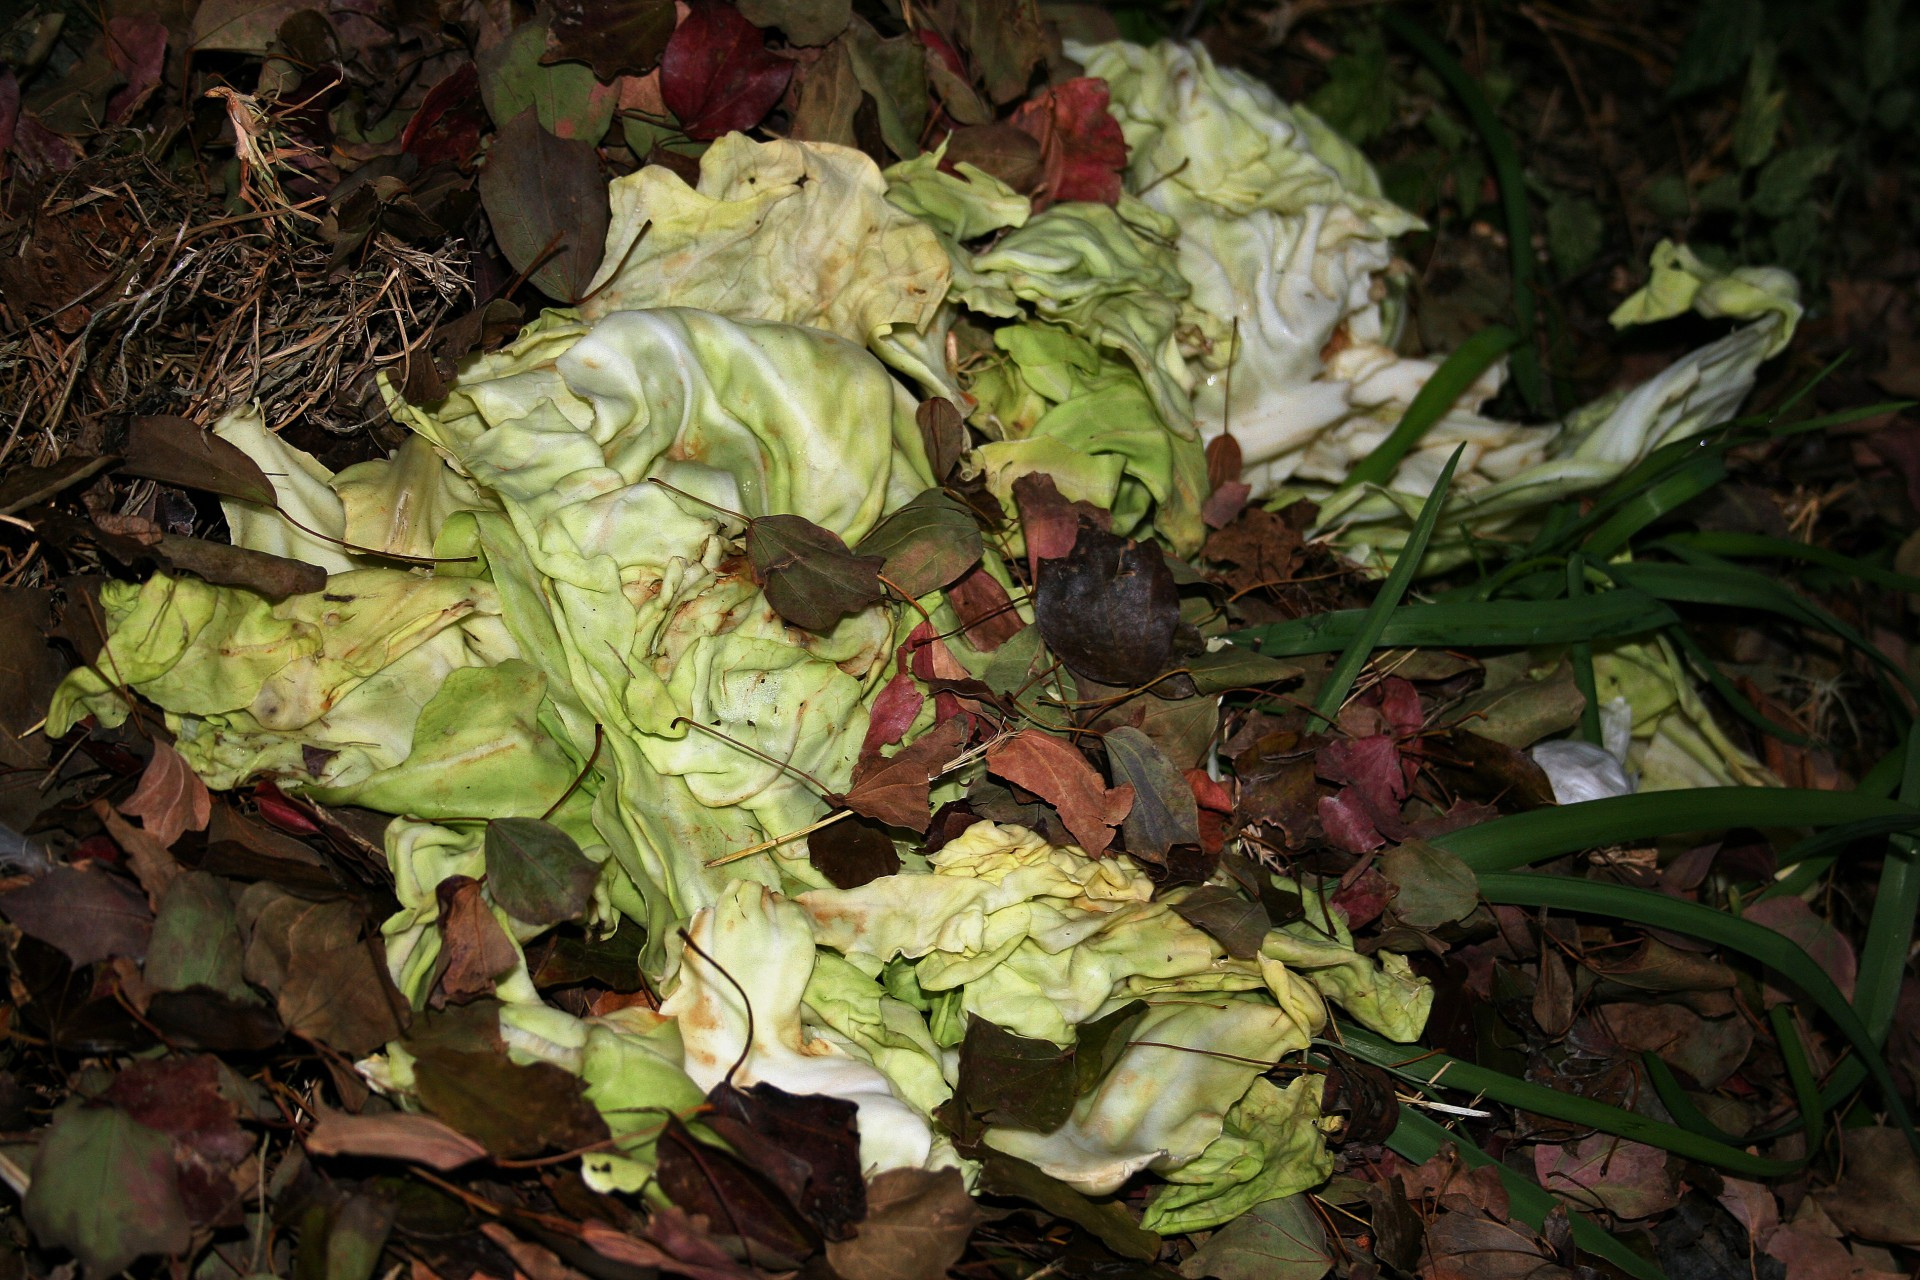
<point x="1049" y="522"/>
<point x="943" y="49"/>
<point x="614" y="37"/>
<point x="929" y="658"/>
<point x="807" y="1144"/>
<point x="137" y="48"/>
<point x="944" y="434"/>
<point x="448" y="122"/>
<point x="1372" y="764"/>
<point x="547" y="202"/>
<point x="926" y="544"/>
<point x="1225" y="503"/>
<point x="1057" y="773"/>
<point x="1081" y="148"/>
<point x="985" y="609"/>
<point x="894" y="710"/>
<point x="182" y="1098"/>
<point x="676" y="1246"/>
<point x="1626" y="1179"/>
<point x="717" y="75"/>
<point x="1345" y="818"/>
<point x="170" y="800"/>
<point x="895" y="789"/>
<point x="89" y="914"/>
<point x="736" y="1199"/>
<point x="288" y="815"/>
<point x="1207" y="793"/>
<point x="104" y="1187"/>
<point x="393" y="1135"/>
<point x="1223" y="460"/>
<point x="1400" y="703"/>
<point x="811" y="579"/>
<point x="1793" y="918"/>
<point x="1362" y="901"/>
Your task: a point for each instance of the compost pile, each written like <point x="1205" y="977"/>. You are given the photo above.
<point x="865" y="641"/>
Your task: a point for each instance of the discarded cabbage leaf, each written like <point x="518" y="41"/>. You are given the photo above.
<point x="1676" y="743"/>
<point x="1271" y="1146"/>
<point x="794" y="231"/>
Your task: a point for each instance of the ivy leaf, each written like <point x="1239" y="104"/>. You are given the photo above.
<point x="716" y="74"/>
<point x="811" y="579"/>
<point x="1236" y="923"/>
<point x="1013" y="1080"/>
<point x="1164" y="812"/>
<point x="895" y="789"/>
<point x="1099" y="1044"/>
<point x="106" y="1189"/>
<point x="926" y="544"/>
<point x="536" y="871"/>
<point x="614" y="37"/>
<point x="1274" y="1240"/>
<point x="548" y="206"/>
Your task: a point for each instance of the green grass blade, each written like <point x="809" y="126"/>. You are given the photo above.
<point x="1806" y="1091"/>
<point x="1681" y="1107"/>
<point x="1431" y="1070"/>
<point x="1757" y="546"/>
<point x="1419" y="1139"/>
<point x="1539" y="834"/>
<point x="1583" y="678"/>
<point x="1367" y="638"/>
<point x="1883" y="955"/>
<point x="1655" y="910"/>
<point x="1501" y="624"/>
<point x="1683" y="640"/>
<point x="1656" y="500"/>
<point x="1468" y="361"/>
<point x="1705" y="580"/>
<point x="1513" y="197"/>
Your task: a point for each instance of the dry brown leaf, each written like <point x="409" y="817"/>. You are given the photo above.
<point x="151" y="862"/>
<point x="394" y="1135"/>
<point x="170" y="800"/>
<point x="1053" y="770"/>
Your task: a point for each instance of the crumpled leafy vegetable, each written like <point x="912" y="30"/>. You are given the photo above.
<point x="1283" y="228"/>
<point x="1675" y="741"/>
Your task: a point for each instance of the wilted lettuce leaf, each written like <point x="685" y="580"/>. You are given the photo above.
<point x="1271" y="1146"/>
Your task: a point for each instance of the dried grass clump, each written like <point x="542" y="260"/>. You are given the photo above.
<point x="127" y="288"/>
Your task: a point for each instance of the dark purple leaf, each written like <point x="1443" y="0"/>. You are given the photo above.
<point x="852" y="851"/>
<point x="808" y="1145"/>
<point x="716" y="74"/>
<point x="1109" y="609"/>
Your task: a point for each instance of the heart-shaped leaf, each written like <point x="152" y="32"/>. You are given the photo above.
<point x="536" y="871"/>
<point x="716" y="75"/>
<point x="926" y="544"/>
<point x="811" y="579"/>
